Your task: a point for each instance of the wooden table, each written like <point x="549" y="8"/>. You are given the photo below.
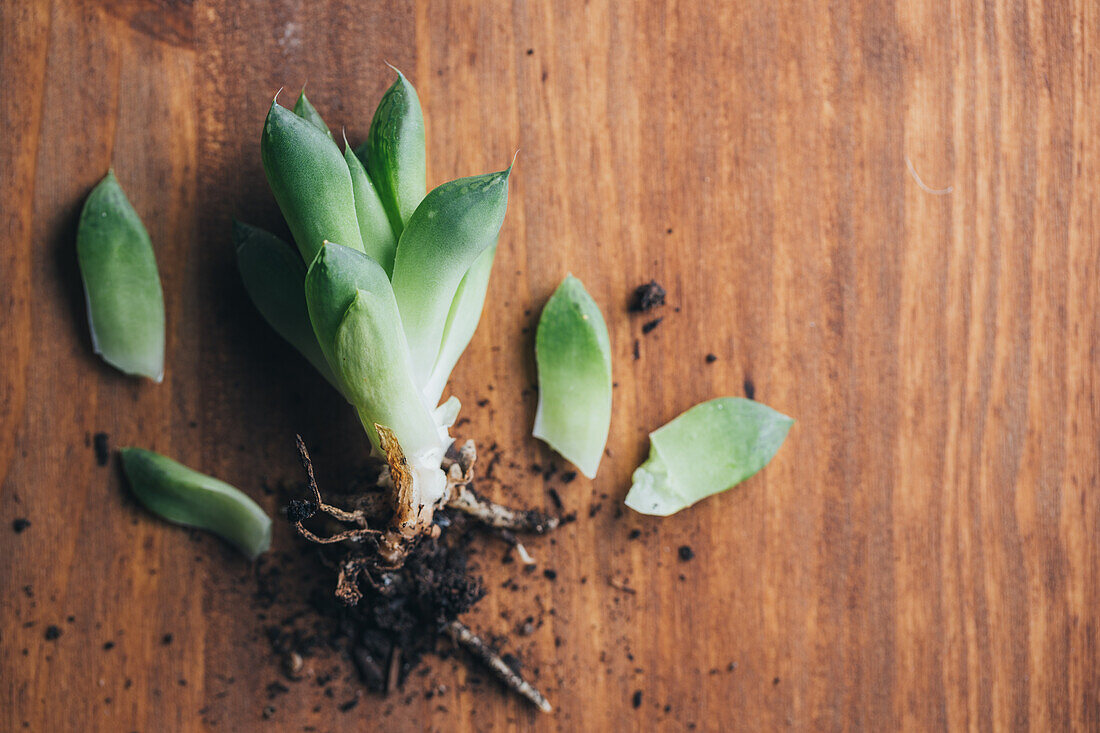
<point x="922" y="553"/>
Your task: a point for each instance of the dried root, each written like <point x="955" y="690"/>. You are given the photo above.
<point x="485" y="654"/>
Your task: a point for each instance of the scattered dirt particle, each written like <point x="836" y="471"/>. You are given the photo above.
<point x="711" y="358"/>
<point x="20" y="524"/>
<point x="101" y="445"/>
<point x="775" y="681"/>
<point x="349" y="705"/>
<point x="636" y="700"/>
<point x="108" y="646"/>
<point x="555" y="497"/>
<point x="568" y="476"/>
<point x="268" y="712"/>
<point x="550" y="574"/>
<point x="637" y="349"/>
<point x="648" y="326"/>
<point x="685" y="553"/>
<point x="52" y="632"/>
<point x="299" y="510"/>
<point x="750" y="389"/>
<point x="634" y="534"/>
<point x="275" y="689"/>
<point x="530" y="52"/>
<point x="166" y="639"/>
<point x="647" y="297"/>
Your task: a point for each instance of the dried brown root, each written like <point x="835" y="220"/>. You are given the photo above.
<point x="299" y="511"/>
<point x="485" y="654"/>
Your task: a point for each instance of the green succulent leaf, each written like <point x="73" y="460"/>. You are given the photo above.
<point x="372" y="358"/>
<point x="394" y="152"/>
<point x="311" y="182"/>
<point x="573" y="352"/>
<point x="462" y="321"/>
<point x="451" y="228"/>
<point x="378" y="241"/>
<point x="184" y="496"/>
<point x="121" y="283"/>
<point x="708" y="449"/>
<point x="274" y="277"/>
<point x="308" y="112"/>
<point x="358" y="326"/>
<point x="332" y="283"/>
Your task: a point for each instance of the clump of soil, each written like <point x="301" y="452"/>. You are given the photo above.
<point x="101" y="446"/>
<point x="647" y="297"/>
<point x="402" y="612"/>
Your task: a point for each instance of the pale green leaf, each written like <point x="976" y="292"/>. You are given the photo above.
<point x="462" y="321"/>
<point x="573" y="352"/>
<point x="708" y="449"/>
<point x="121" y="283"/>
<point x="378" y="241"/>
<point x="394" y="152"/>
<point x="451" y="228"/>
<point x="310" y="180"/>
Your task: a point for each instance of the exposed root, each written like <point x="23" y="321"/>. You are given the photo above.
<point x="485" y="654"/>
<point x="398" y="525"/>
<point x="300" y="510"/>
<point x="334" y="512"/>
<point x="499" y="516"/>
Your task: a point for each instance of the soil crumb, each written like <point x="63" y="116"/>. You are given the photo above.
<point x="102" y="448"/>
<point x="686" y="553"/>
<point x="636" y="700"/>
<point x="647" y="297"/>
<point x="711" y="358"/>
<point x="648" y="326"/>
<point x="52" y="632"/>
<point x="20" y="524"/>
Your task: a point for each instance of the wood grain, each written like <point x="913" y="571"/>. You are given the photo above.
<point x="921" y="555"/>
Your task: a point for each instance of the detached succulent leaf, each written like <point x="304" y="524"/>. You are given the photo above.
<point x="274" y="277"/>
<point x="309" y="113"/>
<point x="451" y="228"/>
<point x="462" y="321"/>
<point x="573" y="352"/>
<point x="121" y="283"/>
<point x="310" y="180"/>
<point x="708" y="449"/>
<point x="378" y="241"/>
<point x="394" y="152"/>
<point x="184" y="496"/>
